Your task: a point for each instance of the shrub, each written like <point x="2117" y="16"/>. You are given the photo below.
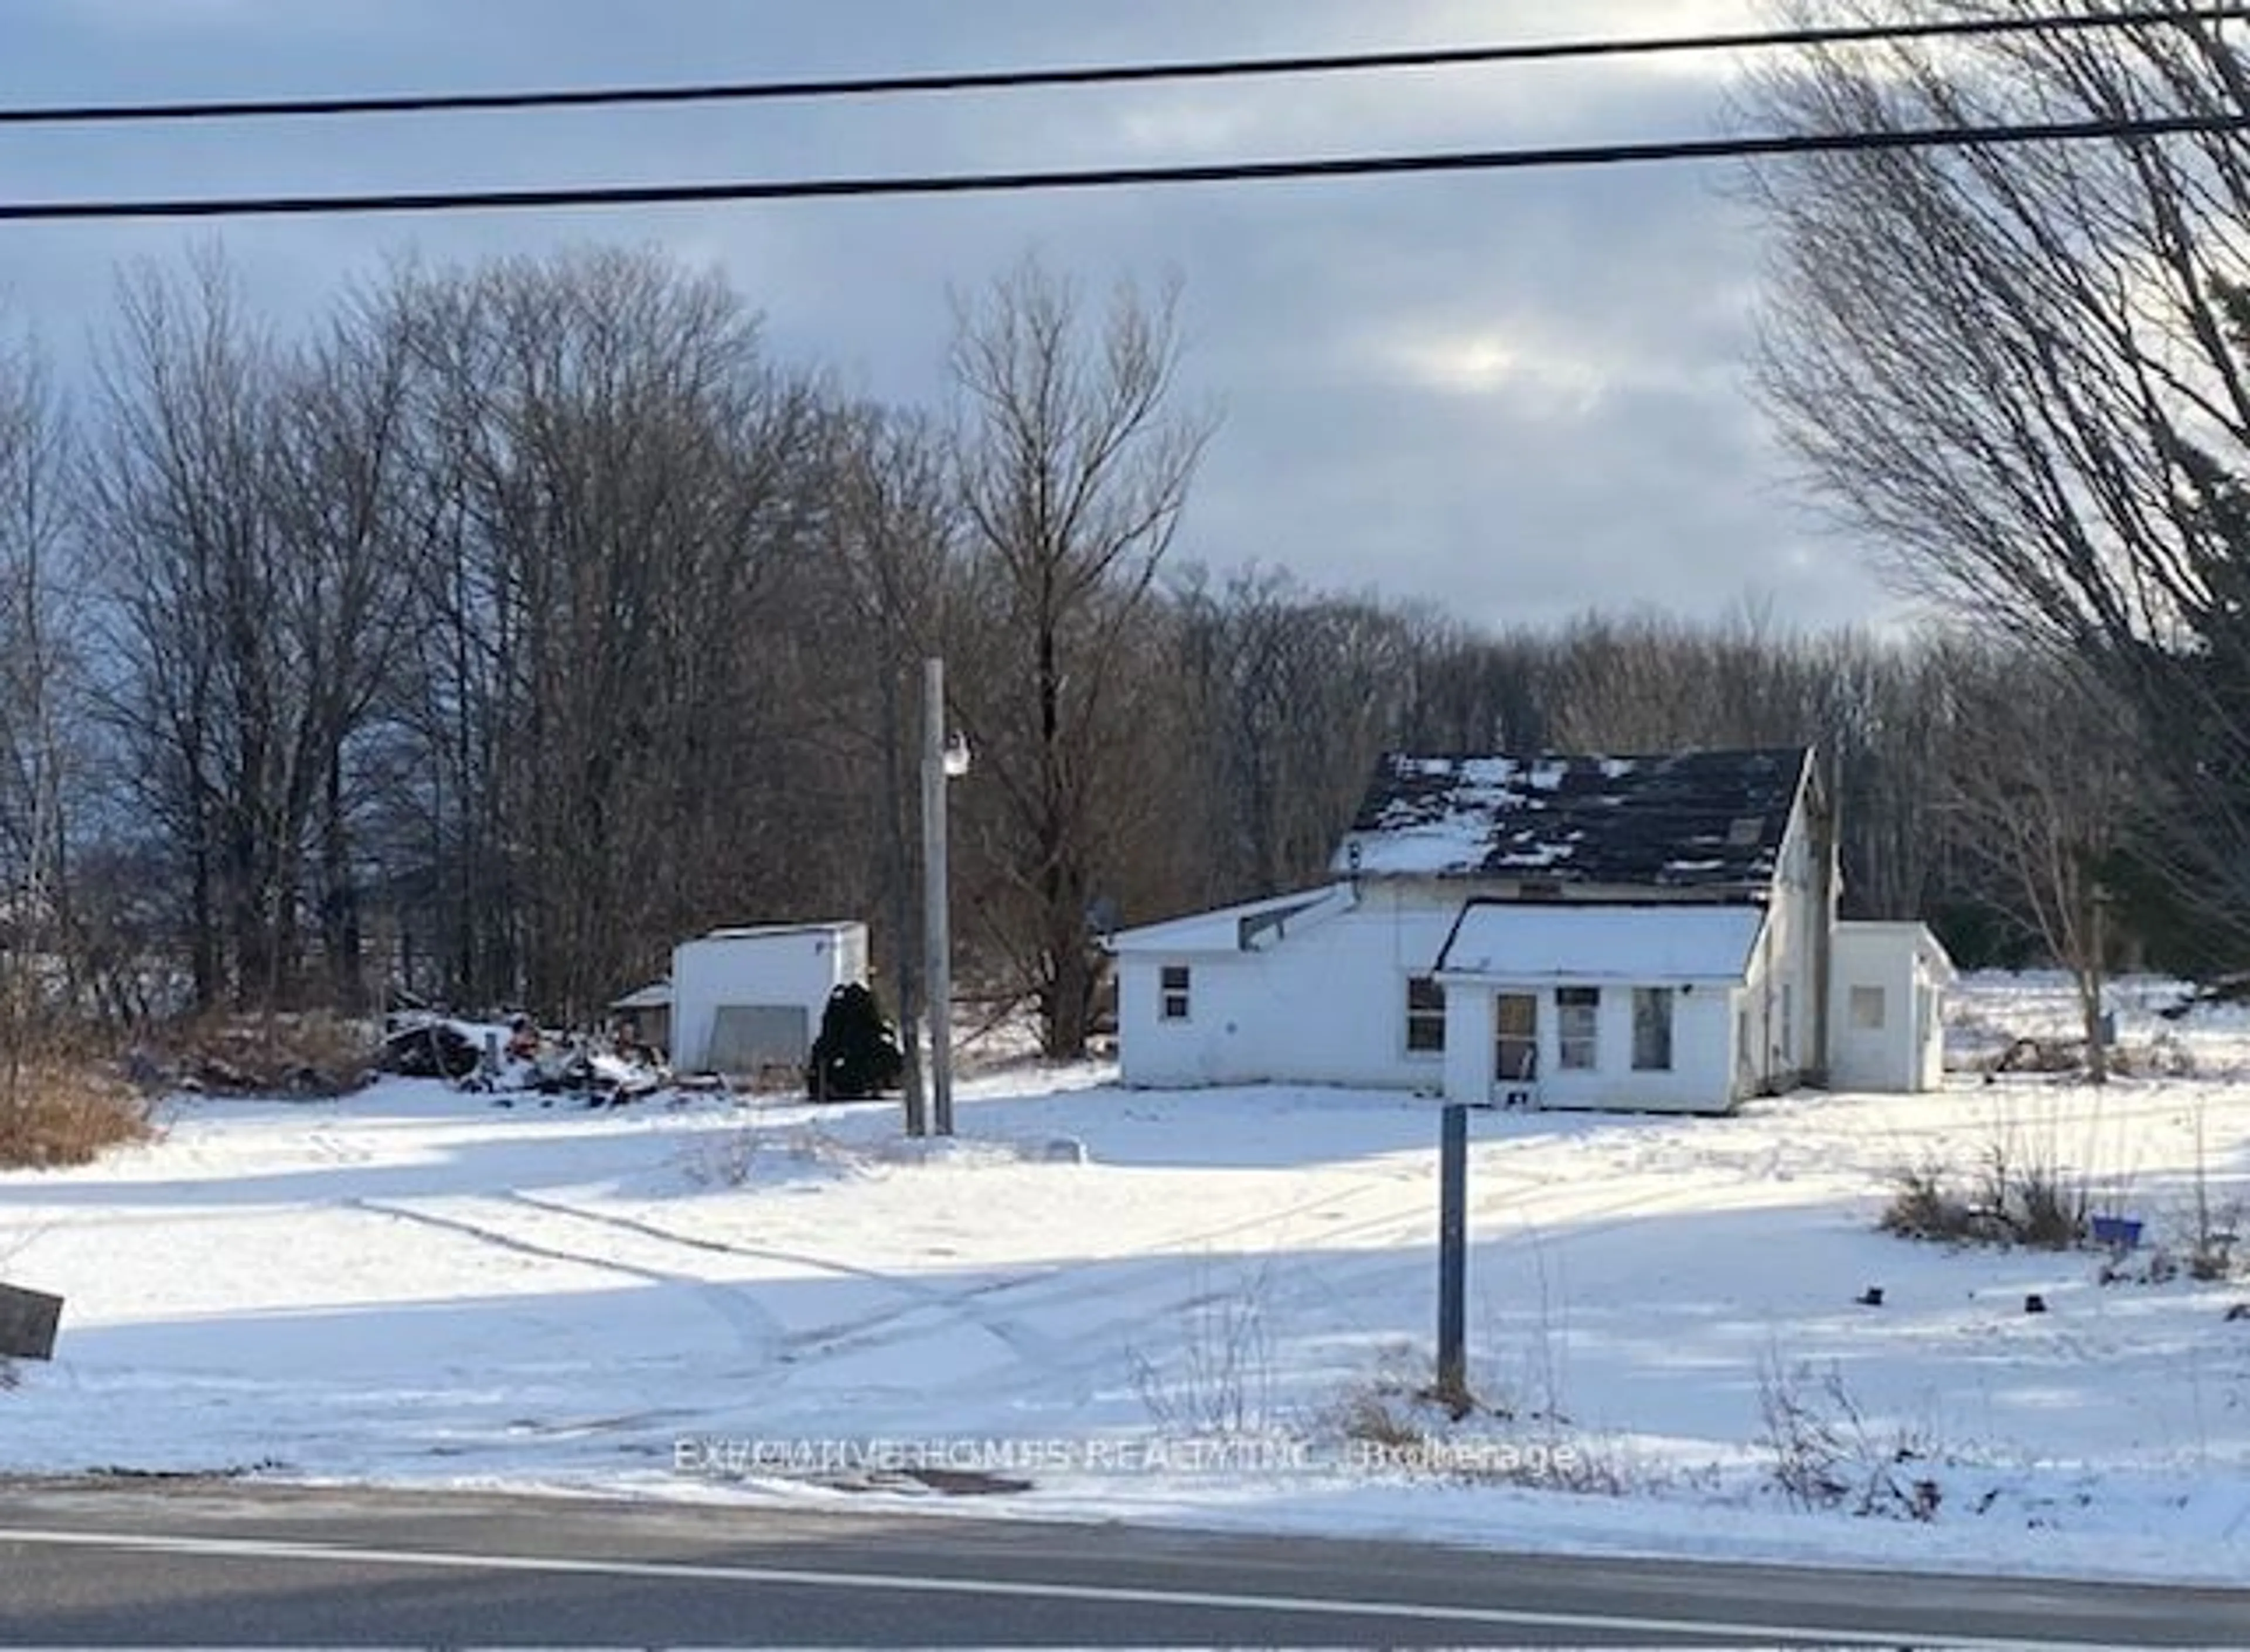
<point x="56" y="1112"/>
<point x="1217" y="1377"/>
<point x="1924" y="1204"/>
<point x="1418" y="1432"/>
<point x="311" y="1054"/>
<point x="1827" y="1453"/>
<point x="2020" y="1196"/>
<point x="857" y="1054"/>
<point x="2047" y="1209"/>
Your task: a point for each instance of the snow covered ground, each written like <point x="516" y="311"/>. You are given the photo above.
<point x="1206" y="1307"/>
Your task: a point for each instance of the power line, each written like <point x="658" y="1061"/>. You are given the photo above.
<point x="1551" y="157"/>
<point x="1008" y="79"/>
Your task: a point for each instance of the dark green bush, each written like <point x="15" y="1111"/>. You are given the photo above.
<point x="857" y="1054"/>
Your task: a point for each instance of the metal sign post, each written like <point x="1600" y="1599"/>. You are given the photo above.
<point x="1452" y="1256"/>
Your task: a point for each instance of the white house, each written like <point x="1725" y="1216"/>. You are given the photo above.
<point x="742" y="1000"/>
<point x="1641" y="933"/>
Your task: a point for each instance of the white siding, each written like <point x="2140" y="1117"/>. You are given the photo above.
<point x="792" y="965"/>
<point x="1327" y="1004"/>
<point x="1697" y="1081"/>
<point x="1325" y="1007"/>
<point x="1899" y="962"/>
<point x="1788" y="984"/>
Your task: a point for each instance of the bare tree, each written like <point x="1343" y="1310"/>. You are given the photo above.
<point x="2020" y="371"/>
<point x="1289" y="698"/>
<point x="606" y="682"/>
<point x="2041" y="780"/>
<point x="39" y="714"/>
<point x="242" y="496"/>
<point x="1074" y="472"/>
<point x="890" y="543"/>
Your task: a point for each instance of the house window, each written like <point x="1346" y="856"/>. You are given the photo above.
<point x="1867" y="1008"/>
<point x="1516" y="1037"/>
<point x="1425" y="1016"/>
<point x="1577" y="1016"/>
<point x="1652" y="1029"/>
<point x="1172" y="991"/>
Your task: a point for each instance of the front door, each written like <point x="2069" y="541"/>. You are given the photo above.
<point x="1515" y="1043"/>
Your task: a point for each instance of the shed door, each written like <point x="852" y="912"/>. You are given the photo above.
<point x="746" y="1037"/>
<point x="1516" y="1042"/>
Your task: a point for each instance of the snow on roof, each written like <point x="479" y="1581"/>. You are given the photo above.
<point x="1691" y="820"/>
<point x="656" y="995"/>
<point x="761" y="932"/>
<point x="1242" y="928"/>
<point x="1508" y="940"/>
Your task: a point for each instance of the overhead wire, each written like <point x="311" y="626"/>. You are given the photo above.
<point x="1099" y="74"/>
<point x="1018" y="181"/>
<point x="1546" y="157"/>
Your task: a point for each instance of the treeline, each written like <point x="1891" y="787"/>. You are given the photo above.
<point x="509" y="624"/>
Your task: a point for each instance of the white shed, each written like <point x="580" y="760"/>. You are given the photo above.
<point x="1885" y="1028"/>
<point x="747" y="999"/>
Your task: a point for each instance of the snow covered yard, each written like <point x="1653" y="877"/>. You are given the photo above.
<point x="705" y="1300"/>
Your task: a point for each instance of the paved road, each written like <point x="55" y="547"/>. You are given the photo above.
<point x="208" y="1565"/>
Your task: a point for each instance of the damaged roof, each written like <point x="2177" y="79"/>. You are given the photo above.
<point x="1689" y="820"/>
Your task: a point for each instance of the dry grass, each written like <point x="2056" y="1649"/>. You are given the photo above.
<point x="311" y="1054"/>
<point x="1827" y="1451"/>
<point x="1926" y="1205"/>
<point x="1211" y="1371"/>
<point x="2021" y="1193"/>
<point x="64" y="1110"/>
<point x="1418" y="1434"/>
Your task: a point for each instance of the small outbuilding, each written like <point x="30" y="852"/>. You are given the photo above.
<point x="647" y="1012"/>
<point x="748" y="1000"/>
<point x="1886" y="1028"/>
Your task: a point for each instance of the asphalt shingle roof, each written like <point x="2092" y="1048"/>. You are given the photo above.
<point x="1689" y="820"/>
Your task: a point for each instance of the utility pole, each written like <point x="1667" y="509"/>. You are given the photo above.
<point x="938" y="763"/>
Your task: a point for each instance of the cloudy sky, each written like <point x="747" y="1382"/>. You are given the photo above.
<point x="1518" y="396"/>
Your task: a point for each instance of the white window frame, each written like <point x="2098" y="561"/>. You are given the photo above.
<point x="1427" y="1018"/>
<point x="1175" y="992"/>
<point x="1870" y="1008"/>
<point x="1577" y="1043"/>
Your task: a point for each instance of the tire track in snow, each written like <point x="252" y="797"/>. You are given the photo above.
<point x="1030" y="1345"/>
<point x="759" y="1332"/>
<point x="1282" y="1292"/>
<point x="1037" y="1354"/>
<point x="1102" y="1277"/>
<point x="1150" y="1288"/>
